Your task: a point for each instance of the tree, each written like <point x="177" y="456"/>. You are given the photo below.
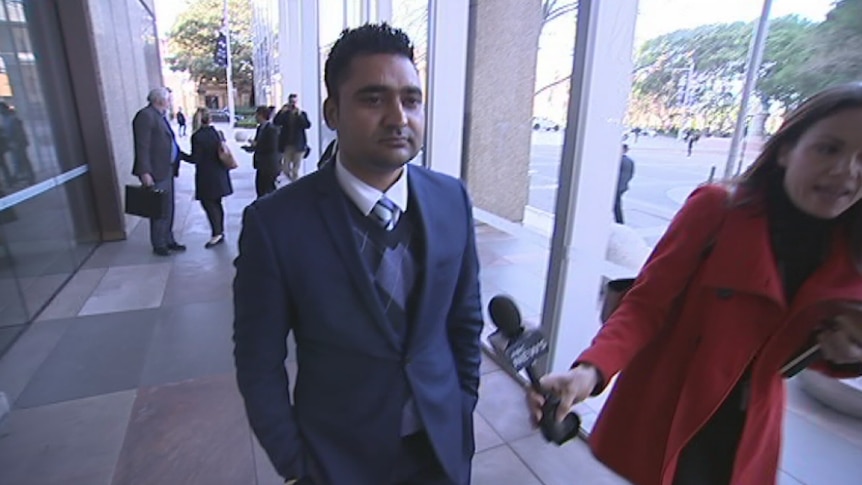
<point x="192" y="40"/>
<point x="835" y="50"/>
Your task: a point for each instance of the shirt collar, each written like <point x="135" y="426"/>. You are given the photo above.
<point x="365" y="196"/>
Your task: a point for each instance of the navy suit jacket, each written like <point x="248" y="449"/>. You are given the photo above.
<point x="301" y="271"/>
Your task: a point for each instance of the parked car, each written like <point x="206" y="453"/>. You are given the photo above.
<point x="222" y="115"/>
<point x="544" y="124"/>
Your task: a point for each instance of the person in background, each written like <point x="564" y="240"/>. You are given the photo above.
<point x="292" y="141"/>
<point x="181" y="122"/>
<point x="372" y="264"/>
<point x="196" y="119"/>
<point x="267" y="159"/>
<point x="747" y="277"/>
<point x="627" y="172"/>
<point x="157" y="158"/>
<point x="212" y="178"/>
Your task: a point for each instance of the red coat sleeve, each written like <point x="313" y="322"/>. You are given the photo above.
<point x="672" y="263"/>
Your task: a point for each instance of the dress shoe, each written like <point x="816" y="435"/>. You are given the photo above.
<point x="176" y="247"/>
<point x="214" y="241"/>
<point x="161" y="252"/>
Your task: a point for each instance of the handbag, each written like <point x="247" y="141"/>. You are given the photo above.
<point x="226" y="157"/>
<point x="147" y="202"/>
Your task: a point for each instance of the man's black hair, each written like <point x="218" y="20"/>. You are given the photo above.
<point x="366" y="40"/>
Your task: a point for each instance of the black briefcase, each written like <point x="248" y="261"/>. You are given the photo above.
<point x="145" y="201"/>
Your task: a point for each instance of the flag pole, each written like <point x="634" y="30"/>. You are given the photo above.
<point x="230" y="103"/>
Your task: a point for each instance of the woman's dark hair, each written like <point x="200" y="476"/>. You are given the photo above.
<point x="755" y="181"/>
<point x="264" y="111"/>
<point x="366" y="40"/>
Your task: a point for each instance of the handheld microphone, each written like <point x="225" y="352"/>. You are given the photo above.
<point x="521" y="348"/>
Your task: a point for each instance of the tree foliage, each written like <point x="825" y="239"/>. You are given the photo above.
<point x="192" y="40"/>
<point x="800" y="59"/>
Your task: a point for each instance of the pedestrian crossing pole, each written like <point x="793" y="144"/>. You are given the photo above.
<point x="229" y="74"/>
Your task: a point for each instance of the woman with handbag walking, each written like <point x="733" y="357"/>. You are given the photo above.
<point x="212" y="161"/>
<point x="748" y="276"/>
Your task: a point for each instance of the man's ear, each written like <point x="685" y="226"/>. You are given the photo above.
<point x="330" y="113"/>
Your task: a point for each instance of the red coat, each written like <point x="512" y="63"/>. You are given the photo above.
<point x="679" y="362"/>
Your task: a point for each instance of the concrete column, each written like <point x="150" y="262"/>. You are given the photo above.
<point x="309" y="94"/>
<point x="299" y="65"/>
<point x="601" y="82"/>
<point x="447" y="71"/>
<point x="501" y="79"/>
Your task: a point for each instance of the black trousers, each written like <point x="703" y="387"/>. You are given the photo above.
<point x="264" y="181"/>
<point x="215" y="214"/>
<point x="708" y="458"/>
<point x="417" y="464"/>
<point x="618" y="208"/>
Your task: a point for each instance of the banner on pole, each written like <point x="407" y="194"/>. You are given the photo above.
<point x="220" y="56"/>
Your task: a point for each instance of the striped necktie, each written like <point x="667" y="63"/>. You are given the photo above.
<point x="386" y="213"/>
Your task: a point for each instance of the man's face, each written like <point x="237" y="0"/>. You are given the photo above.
<point x="291" y="102"/>
<point x="379" y="115"/>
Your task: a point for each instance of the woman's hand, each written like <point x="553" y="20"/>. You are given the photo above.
<point x="572" y="387"/>
<point x="841" y="342"/>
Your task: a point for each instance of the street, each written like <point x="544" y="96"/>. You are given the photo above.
<point x="664" y="176"/>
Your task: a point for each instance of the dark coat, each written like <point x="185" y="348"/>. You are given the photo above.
<point x="154" y="144"/>
<point x="679" y="362"/>
<point x="212" y="179"/>
<point x="293" y="128"/>
<point x="301" y="271"/>
<point x="627" y="172"/>
<point x="266" y="154"/>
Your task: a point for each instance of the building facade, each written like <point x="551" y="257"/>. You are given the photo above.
<point x="72" y="75"/>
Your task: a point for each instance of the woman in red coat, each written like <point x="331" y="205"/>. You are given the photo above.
<point x="746" y="278"/>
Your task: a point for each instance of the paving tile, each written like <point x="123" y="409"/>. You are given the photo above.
<point x="31" y="349"/>
<point x="193" y="432"/>
<point x="785" y="479"/>
<point x="71" y="443"/>
<point x="815" y="456"/>
<point x="484" y="434"/>
<point x="97" y="355"/>
<point x="129" y="288"/>
<point x="71" y="298"/>
<point x="487" y="365"/>
<point x="503" y="404"/>
<point x="501" y="466"/>
<point x="563" y="465"/>
<point x="201" y="275"/>
<point x="190" y="341"/>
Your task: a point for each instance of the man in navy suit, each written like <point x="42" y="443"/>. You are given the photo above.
<point x="377" y="277"/>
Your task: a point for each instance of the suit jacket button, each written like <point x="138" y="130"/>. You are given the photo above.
<point x="724" y="293"/>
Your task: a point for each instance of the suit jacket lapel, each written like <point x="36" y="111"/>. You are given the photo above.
<point x="427" y="225"/>
<point x="333" y="211"/>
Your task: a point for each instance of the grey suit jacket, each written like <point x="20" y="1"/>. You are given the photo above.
<point x="154" y="141"/>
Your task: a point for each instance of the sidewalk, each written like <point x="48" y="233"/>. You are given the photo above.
<point x="127" y="376"/>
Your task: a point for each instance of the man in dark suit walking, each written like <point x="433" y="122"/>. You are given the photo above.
<point x="373" y="267"/>
<point x="266" y="159"/>
<point x="627" y="172"/>
<point x="157" y="158"/>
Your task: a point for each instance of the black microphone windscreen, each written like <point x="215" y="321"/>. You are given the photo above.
<point x="505" y="315"/>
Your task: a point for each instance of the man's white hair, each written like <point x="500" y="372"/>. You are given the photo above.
<point x="158" y="94"/>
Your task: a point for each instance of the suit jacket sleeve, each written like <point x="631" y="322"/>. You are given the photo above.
<point x="261" y="326"/>
<point x="305" y="123"/>
<point x="464" y="321"/>
<point x="646" y="307"/>
<point x="142" y="131"/>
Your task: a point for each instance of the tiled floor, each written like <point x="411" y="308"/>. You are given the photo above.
<point x="127" y="378"/>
